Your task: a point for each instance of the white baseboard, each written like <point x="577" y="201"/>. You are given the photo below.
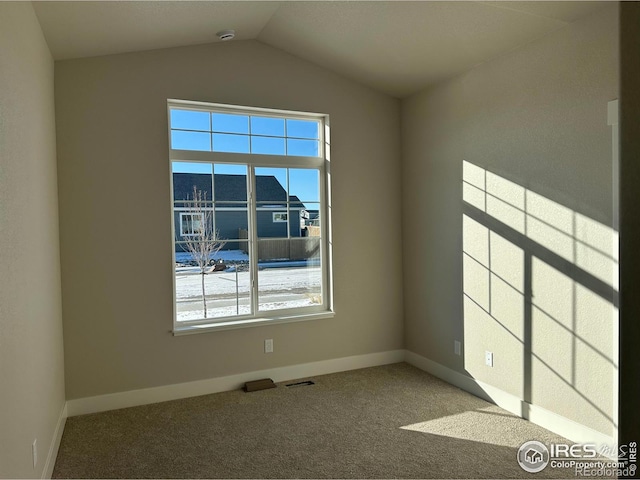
<point x="47" y="472"/>
<point x="164" y="393"/>
<point x="553" y="422"/>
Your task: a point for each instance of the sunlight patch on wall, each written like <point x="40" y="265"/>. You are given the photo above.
<point x="587" y="243"/>
<point x="540" y="288"/>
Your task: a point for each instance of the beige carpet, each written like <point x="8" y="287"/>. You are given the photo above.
<point x="393" y="421"/>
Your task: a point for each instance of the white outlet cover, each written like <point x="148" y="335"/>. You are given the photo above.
<point x="488" y="358"/>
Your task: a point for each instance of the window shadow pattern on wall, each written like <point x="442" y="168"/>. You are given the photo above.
<point x="540" y="291"/>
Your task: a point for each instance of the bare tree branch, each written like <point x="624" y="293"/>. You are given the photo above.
<point x="202" y="241"/>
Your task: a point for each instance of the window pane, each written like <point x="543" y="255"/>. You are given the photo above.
<point x="188" y="167"/>
<point x="267" y="126"/>
<point x="184" y="184"/>
<point x="232" y="224"/>
<point x="309" y="221"/>
<point x="271" y="222"/>
<point x="230" y="184"/>
<point x="296" y="224"/>
<point x="302" y="129"/>
<point x="267" y="145"/>
<point x="229" y="123"/>
<point x="190" y="120"/>
<point x="305" y="184"/>
<point x="231" y="287"/>
<point x="226" y="285"/>
<point x="302" y="148"/>
<point x="223" y="142"/>
<point x="290" y="274"/>
<point x="230" y="169"/>
<point x="271" y="185"/>
<point x="190" y="140"/>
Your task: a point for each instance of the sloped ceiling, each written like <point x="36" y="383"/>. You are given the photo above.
<point x="395" y="47"/>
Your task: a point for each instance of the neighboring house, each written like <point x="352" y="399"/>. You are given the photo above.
<point x="230" y="192"/>
<point x="312" y="217"/>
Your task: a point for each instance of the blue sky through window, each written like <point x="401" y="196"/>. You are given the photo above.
<point x="190" y="120"/>
<point x="302" y="129"/>
<point x="223" y="142"/>
<point x="232" y="133"/>
<point x="228" y="123"/>
<point x="273" y="127"/>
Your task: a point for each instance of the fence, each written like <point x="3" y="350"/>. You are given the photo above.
<point x="269" y="249"/>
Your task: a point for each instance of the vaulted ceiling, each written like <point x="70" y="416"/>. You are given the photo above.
<point x="395" y="47"/>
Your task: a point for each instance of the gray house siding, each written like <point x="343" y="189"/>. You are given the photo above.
<point x="267" y="228"/>
<point x="232" y="217"/>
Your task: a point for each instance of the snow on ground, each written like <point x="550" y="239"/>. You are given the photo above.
<point x="227" y="292"/>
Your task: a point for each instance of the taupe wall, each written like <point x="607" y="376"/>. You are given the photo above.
<point x="31" y="357"/>
<point x="115" y="218"/>
<point x="536" y="117"/>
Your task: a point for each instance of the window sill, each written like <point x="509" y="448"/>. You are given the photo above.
<point x="254" y="322"/>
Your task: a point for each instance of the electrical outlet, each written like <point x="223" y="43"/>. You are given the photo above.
<point x="456" y="347"/>
<point x="488" y="358"/>
<point x="268" y="345"/>
<point x="34" y="453"/>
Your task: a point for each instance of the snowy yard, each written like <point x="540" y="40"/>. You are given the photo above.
<point x="227" y="292"/>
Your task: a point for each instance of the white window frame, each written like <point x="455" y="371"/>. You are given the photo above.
<point x="191" y="214"/>
<point x="253" y="161"/>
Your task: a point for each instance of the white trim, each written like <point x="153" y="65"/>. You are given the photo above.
<point x="132" y="398"/>
<point x="47" y="472"/>
<point x="252" y="239"/>
<point x="540" y="416"/>
<point x="244" y="321"/>
<point x="256" y="159"/>
<point x="239" y="109"/>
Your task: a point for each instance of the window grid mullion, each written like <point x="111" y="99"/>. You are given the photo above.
<point x="286" y="143"/>
<point x="253" y="240"/>
<point x="250" y="137"/>
<point x="288" y="202"/>
<point x="323" y="211"/>
<point x="213" y="197"/>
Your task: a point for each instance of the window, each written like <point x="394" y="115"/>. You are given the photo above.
<point x="279" y="217"/>
<point x="249" y="204"/>
<point x="190" y="224"/>
<point x="244" y="133"/>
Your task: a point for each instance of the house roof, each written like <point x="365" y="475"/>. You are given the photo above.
<point x="231" y="188"/>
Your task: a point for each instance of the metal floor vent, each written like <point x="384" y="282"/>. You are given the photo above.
<point x="301" y="384"/>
